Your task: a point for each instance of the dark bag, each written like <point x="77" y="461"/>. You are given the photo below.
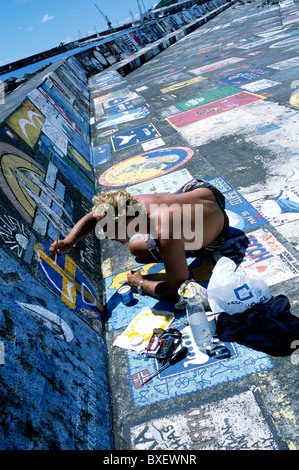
<point x="269" y="327"/>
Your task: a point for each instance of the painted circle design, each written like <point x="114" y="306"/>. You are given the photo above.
<point x="15" y="166"/>
<point x="100" y="57"/>
<point x="145" y="166"/>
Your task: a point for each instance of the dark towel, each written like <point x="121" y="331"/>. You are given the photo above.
<point x="269" y="327"/>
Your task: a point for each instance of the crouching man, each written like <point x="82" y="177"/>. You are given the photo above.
<point x="158" y="228"/>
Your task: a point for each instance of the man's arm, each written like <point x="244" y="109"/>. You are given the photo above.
<point x="82" y="228"/>
<point x="172" y="252"/>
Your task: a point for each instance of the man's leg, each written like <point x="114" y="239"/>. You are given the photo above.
<point x="144" y="246"/>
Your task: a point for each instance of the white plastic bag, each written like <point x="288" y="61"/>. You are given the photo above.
<point x="232" y="291"/>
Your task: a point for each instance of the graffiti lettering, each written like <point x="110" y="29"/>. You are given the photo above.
<point x="256" y="251"/>
<point x="234" y="198"/>
<point x="88" y="255"/>
<point x="194" y="418"/>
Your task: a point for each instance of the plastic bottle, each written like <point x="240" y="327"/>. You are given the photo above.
<point x="198" y="322"/>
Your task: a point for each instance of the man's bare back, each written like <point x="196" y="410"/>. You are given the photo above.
<point x="213" y="216"/>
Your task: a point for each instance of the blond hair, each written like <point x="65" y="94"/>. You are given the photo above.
<point x="117" y="203"/>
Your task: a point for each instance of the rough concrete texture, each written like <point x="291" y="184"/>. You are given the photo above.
<point x="220" y="103"/>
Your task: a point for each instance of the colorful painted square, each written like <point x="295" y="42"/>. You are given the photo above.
<point x="134" y="136"/>
<point x="69" y="282"/>
<point x="205" y="98"/>
<point x="216" y="65"/>
<point x="261" y="255"/>
<point x="125" y="116"/>
<point x="212" y="109"/>
<point x="177" y="86"/>
<point x="241" y="77"/>
<point x="242" y="215"/>
<point x="285" y="64"/>
<point x="163" y="184"/>
<point x="27" y="122"/>
<point x="196" y="372"/>
<point x="100" y="154"/>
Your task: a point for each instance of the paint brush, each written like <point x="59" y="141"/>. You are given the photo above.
<point x="56" y="245"/>
<point x="178" y="356"/>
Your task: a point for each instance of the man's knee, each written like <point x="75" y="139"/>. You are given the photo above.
<point x="138" y="246"/>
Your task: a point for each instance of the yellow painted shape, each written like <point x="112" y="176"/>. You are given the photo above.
<point x="9" y="163"/>
<point x="120" y="278"/>
<point x="176" y="86"/>
<point x="294" y="100"/>
<point x="27" y="122"/>
<point x="145" y="322"/>
<point x="79" y="157"/>
<point x="209" y="46"/>
<point x="69" y="288"/>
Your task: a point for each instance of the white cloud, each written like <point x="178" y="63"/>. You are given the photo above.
<point x="68" y="39"/>
<point x="46" y="17"/>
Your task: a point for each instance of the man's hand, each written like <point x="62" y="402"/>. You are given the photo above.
<point x="133" y="280"/>
<point x="59" y="247"/>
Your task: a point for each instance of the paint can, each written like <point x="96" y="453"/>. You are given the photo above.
<point x="126" y="295"/>
<point x="212" y="322"/>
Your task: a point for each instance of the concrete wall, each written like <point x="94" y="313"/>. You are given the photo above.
<point x="130" y="50"/>
<point x="54" y="381"/>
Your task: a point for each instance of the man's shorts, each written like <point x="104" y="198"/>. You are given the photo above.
<point x="220" y="240"/>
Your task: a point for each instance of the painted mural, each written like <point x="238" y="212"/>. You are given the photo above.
<point x="47" y="184"/>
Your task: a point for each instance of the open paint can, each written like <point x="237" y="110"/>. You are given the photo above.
<point x="126" y="295"/>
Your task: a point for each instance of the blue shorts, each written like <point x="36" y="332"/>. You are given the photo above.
<point x="220" y="240"/>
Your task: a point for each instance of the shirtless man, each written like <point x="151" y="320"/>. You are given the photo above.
<point x="193" y="217"/>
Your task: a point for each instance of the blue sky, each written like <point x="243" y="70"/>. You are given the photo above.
<point x="32" y="26"/>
